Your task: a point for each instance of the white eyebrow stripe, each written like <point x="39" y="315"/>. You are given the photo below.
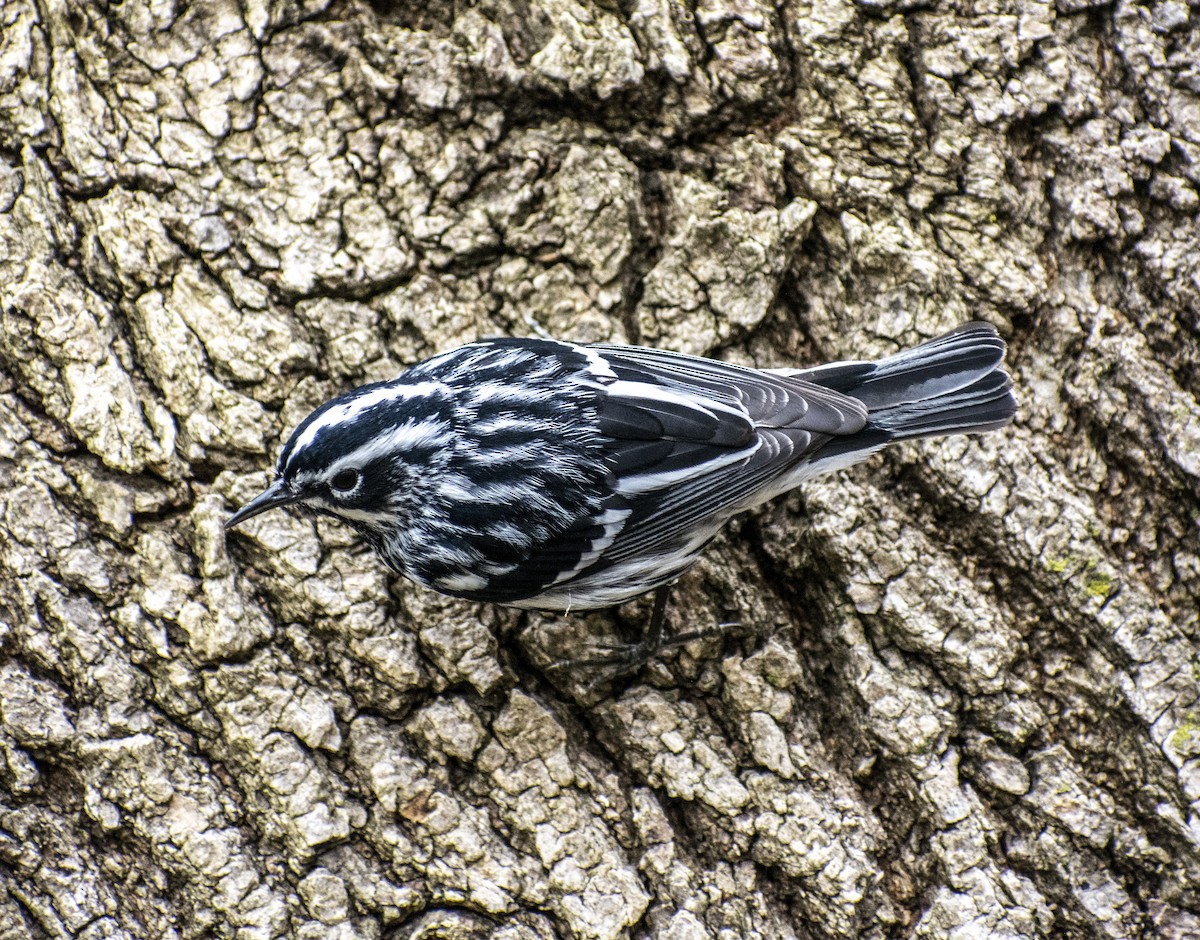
<point x="406" y="436"/>
<point x="349" y="411"/>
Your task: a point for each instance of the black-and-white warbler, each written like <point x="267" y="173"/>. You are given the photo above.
<point x="557" y="476"/>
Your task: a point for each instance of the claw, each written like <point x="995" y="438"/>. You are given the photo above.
<point x="626" y="658"/>
<point x="614" y="653"/>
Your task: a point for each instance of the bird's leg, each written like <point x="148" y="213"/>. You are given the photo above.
<point x="626" y="658"/>
<point x="652" y="640"/>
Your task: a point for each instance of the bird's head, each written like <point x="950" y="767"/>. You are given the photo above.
<point x="365" y="457"/>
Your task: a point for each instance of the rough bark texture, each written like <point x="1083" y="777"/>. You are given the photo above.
<point x="962" y="700"/>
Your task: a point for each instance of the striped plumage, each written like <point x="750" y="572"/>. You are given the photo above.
<point x="557" y="476"/>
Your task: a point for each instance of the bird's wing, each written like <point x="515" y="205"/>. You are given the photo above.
<point x="769" y="399"/>
<point x="691" y="441"/>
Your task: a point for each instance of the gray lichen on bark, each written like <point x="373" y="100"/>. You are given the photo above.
<point x="962" y="700"/>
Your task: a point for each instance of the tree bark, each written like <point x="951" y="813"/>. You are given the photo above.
<point x="961" y="699"/>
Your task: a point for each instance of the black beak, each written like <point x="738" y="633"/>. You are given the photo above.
<point x="277" y="494"/>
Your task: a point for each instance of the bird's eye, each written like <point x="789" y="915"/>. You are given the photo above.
<point x="345" y="480"/>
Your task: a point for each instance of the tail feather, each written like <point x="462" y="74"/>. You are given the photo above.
<point x="984" y="405"/>
<point x="953" y="384"/>
<point x="936" y="368"/>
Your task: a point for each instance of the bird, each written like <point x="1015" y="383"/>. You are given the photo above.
<point x="557" y="476"/>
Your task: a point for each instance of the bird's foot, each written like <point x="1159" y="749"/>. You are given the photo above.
<point x="623" y="659"/>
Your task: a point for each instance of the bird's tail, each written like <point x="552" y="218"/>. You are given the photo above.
<point x="950" y="385"/>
